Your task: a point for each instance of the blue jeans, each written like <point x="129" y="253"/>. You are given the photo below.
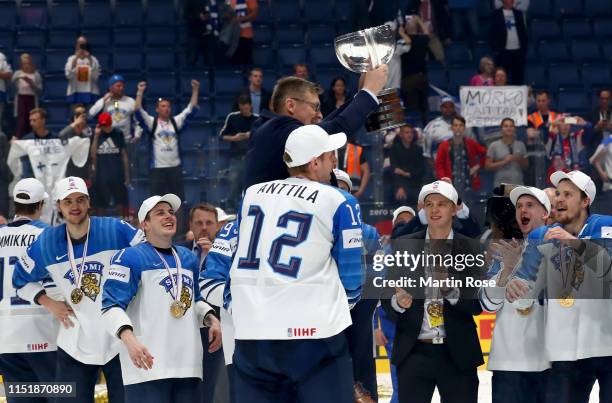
<point x="519" y="387"/>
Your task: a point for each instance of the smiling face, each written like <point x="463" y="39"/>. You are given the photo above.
<point x="570" y="202"/>
<point x="74" y="208"/>
<point x="160" y="221"/>
<point x="440" y="211"/>
<point x="530" y="214"/>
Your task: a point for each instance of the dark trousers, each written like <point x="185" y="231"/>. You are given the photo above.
<point x="28" y="367"/>
<point x="172" y="390"/>
<point x="572" y="381"/>
<point x="25" y="103"/>
<point x="519" y="387"/>
<point x="85" y="376"/>
<point x="360" y="340"/>
<point x="213" y="364"/>
<point x="428" y="366"/>
<point x="514" y="63"/>
<point x="282" y="371"/>
<point x="244" y="52"/>
<point x="415" y="90"/>
<point x="231" y="376"/>
<point x="167" y="180"/>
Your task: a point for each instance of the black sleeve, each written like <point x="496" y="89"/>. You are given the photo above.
<point x="410" y="227"/>
<point x="118" y="134"/>
<point x="419" y="163"/>
<point x="351" y="116"/>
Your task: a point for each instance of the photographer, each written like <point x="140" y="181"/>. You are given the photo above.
<point x="82" y="71"/>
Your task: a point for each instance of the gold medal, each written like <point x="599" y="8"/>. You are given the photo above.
<point x="435" y="309"/>
<point x="566" y="300"/>
<point x="176" y="309"/>
<point x="524" y="311"/>
<point x="76" y="296"/>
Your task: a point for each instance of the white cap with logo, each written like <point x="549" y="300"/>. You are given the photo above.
<point x="29" y="191"/>
<point x="400" y="210"/>
<point x="578" y="178"/>
<point x="310" y="141"/>
<point x="68" y="186"/>
<point x="439" y="187"/>
<point x="223" y="216"/>
<point x="147" y="205"/>
<point x="344" y="177"/>
<point x="540" y="195"/>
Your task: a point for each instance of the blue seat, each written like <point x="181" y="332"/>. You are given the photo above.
<point x="572" y="101"/>
<point x="554" y="51"/>
<point x="56" y="61"/>
<point x="293" y="54"/>
<point x="326" y="76"/>
<point x="8" y="15"/>
<point x="160" y="36"/>
<point x="437" y="76"/>
<point x="545" y="29"/>
<point x="185" y="83"/>
<point x="458" y="53"/>
<point x="65" y="15"/>
<point x="57" y="111"/>
<point x="568" y="7"/>
<point x="262" y="33"/>
<point x="585" y="50"/>
<point x="607" y="49"/>
<point x="580" y="28"/>
<point x="484" y="29"/>
<point x="7" y="40"/>
<point x="292" y="33"/>
<point x="33" y="39"/>
<point x="532" y="53"/>
<point x="54" y="87"/>
<point x="205" y="105"/>
<point x="286" y="11"/>
<point x="194" y="190"/>
<point x="97" y="38"/>
<point x="596" y="75"/>
<point x="564" y="75"/>
<point x="263" y="13"/>
<point x="97" y="14"/>
<point x="218" y="190"/>
<point x="62" y="39"/>
<point x="536" y="75"/>
<point x="127" y="60"/>
<point x="459" y="76"/>
<point x="228" y="82"/>
<point x="223" y="105"/>
<point x="128" y="14"/>
<point x="342" y="11"/>
<point x="160" y="13"/>
<point x="192" y="137"/>
<point x="598" y="8"/>
<point x="127" y="37"/>
<point x="160" y="60"/>
<point x="321" y="33"/>
<point x="480" y="50"/>
<point x="602" y="28"/>
<point x="318" y="11"/>
<point x="540" y="9"/>
<point x="263" y="55"/>
<point x="323" y="56"/>
<point x="103" y="59"/>
<point x="33" y="16"/>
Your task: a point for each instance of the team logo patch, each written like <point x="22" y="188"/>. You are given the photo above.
<point x="186" y="296"/>
<point x="91" y="281"/>
<point x="351" y="238"/>
<point x="119" y="273"/>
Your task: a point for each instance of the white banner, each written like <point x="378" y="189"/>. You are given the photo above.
<point x="487" y="106"/>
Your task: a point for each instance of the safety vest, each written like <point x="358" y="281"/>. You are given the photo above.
<point x="352" y="158"/>
<point x="536" y="118"/>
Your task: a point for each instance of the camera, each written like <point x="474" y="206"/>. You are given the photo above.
<point x="501" y="214"/>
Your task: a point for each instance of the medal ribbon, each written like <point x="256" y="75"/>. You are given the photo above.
<point x="71" y="259"/>
<point x="178" y="284"/>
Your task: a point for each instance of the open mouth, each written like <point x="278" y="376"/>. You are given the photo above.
<point x="169" y="225"/>
<point x="525" y="221"/>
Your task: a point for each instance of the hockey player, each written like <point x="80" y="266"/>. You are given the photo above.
<point x="299" y="240"/>
<point x="517" y="357"/>
<point x="76" y="255"/>
<point x="27" y="333"/>
<point x="152" y="303"/>
<point x="578" y="333"/>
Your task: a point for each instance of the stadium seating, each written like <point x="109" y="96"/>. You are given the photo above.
<point x="97" y="14"/>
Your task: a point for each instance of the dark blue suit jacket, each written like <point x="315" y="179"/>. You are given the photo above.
<point x="264" y="160"/>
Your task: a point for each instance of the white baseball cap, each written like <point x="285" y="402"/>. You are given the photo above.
<point x="68" y="186"/>
<point x="578" y="178"/>
<point x="439" y="187"/>
<point x="540" y="195"/>
<point x="32" y="188"/>
<point x="147" y="205"/>
<point x="400" y="210"/>
<point x="223" y="216"/>
<point x="344" y="177"/>
<point x="308" y="142"/>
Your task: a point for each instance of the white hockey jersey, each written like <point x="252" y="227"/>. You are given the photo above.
<point x="24" y="327"/>
<point x="122" y="112"/>
<point x="298" y="261"/>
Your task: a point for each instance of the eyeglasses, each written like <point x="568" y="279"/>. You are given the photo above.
<point x="316" y="106"/>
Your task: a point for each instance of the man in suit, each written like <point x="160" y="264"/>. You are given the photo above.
<point x="295" y="102"/>
<point x="509" y="41"/>
<point x="260" y="97"/>
<point x="435" y="343"/>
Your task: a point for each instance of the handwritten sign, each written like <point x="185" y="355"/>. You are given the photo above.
<point x="487" y="106"/>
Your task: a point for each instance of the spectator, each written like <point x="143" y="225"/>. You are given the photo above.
<point x="28" y="88"/>
<point x="509" y="41"/>
<point x="463" y="14"/>
<point x="402" y="215"/>
<point x="37" y="119"/>
<point x="602" y="119"/>
<point x="522" y="5"/>
<point x="407" y="165"/>
<point x="120" y="107"/>
<point x="246" y="12"/>
<point x="164" y="130"/>
<point x="301" y="70"/>
<point x="486" y="76"/>
<point x="353" y="160"/>
<point x="434" y="14"/>
<point x="500" y="76"/>
<point x="260" y="97"/>
<point x="507" y="157"/>
<point x="78" y="127"/>
<point x="5" y="175"/>
<point x="538" y="121"/>
<point x="438" y="130"/>
<point x="5" y="74"/>
<point x="82" y="71"/>
<point x="415" y="85"/>
<point x="236" y="131"/>
<point x="402" y="45"/>
<point x="109" y="168"/>
<point x="602" y="161"/>
<point x="202" y="31"/>
<point x="459" y="159"/>
<point x="335" y="96"/>
<point x="564" y="146"/>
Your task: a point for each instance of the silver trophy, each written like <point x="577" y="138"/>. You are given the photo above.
<point x="365" y="50"/>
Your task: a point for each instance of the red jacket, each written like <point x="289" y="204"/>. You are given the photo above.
<point x="475" y="154"/>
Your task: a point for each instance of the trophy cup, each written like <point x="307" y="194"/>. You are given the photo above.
<point x="367" y="49"/>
